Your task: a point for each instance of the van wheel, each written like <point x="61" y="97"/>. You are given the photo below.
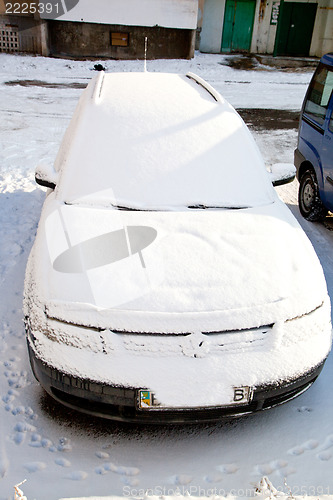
<point x="309" y="202"/>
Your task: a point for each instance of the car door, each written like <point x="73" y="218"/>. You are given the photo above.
<point x="327" y="156"/>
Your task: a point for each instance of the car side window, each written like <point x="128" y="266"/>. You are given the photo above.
<point x="319" y="95"/>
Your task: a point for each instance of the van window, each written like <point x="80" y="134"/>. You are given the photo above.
<point x="319" y="94"/>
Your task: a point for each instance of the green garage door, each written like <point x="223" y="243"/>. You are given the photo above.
<point x="238" y="25"/>
<point x="295" y="27"/>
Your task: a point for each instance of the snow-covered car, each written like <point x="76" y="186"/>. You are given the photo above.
<point x="168" y="282"/>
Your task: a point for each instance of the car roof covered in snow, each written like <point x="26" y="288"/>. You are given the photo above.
<point x="159" y="141"/>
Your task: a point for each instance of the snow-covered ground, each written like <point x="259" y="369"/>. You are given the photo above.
<point x="64" y="454"/>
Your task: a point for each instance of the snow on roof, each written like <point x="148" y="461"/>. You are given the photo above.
<point x="156" y="140"/>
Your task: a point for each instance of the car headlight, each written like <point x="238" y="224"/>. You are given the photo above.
<point x="315" y="324"/>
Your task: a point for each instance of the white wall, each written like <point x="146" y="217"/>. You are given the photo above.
<point x="212" y="25"/>
<point x="165" y="13"/>
<point x="322" y="39"/>
<point x="261" y="28"/>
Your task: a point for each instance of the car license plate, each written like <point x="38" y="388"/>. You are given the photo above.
<point x="240" y="396"/>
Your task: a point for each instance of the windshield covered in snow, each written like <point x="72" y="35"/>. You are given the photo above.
<point x="156" y="142"/>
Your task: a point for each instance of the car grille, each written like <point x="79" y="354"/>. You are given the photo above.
<point x="195" y="344"/>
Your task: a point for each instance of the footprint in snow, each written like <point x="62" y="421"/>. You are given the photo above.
<point x="35" y="466"/>
<point x="296" y="451"/>
<point x="46" y="443"/>
<point x="30" y="413"/>
<point x="182" y="479"/>
<point x="9" y="363"/>
<point x="19" y="437"/>
<point x="15" y="359"/>
<point x="62" y="462"/>
<point x="18" y="410"/>
<point x="324" y="456"/>
<point x="12" y="392"/>
<point x="304" y="409"/>
<point x="20" y="432"/>
<point x="77" y="475"/>
<point x="8" y="398"/>
<point x="328" y="443"/>
<point x="36" y="437"/>
<point x="228" y="468"/>
<point x="24" y="427"/>
<point x="36" y="440"/>
<point x="130" y="481"/>
<point x="18" y="347"/>
<point x="124" y="471"/>
<point x="311" y="444"/>
<point x="102" y="454"/>
<point x="64" y="445"/>
<point x="273" y="466"/>
<point x="299" y="450"/>
<point x="101" y="471"/>
<point x="214" y="478"/>
<point x="16" y="381"/>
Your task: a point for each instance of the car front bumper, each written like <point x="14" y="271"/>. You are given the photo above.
<point x="121" y="403"/>
<point x="190" y="377"/>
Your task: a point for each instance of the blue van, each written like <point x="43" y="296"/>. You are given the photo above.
<point x="314" y="154"/>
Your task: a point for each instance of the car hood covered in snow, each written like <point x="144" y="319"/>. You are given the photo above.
<point x="173" y="271"/>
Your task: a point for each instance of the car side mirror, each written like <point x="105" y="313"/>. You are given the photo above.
<point x="282" y="173"/>
<point x="45" y="175"/>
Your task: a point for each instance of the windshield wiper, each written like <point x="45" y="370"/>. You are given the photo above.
<point x="123" y="207"/>
<point x="199" y="207"/>
<point x="206" y="207"/>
